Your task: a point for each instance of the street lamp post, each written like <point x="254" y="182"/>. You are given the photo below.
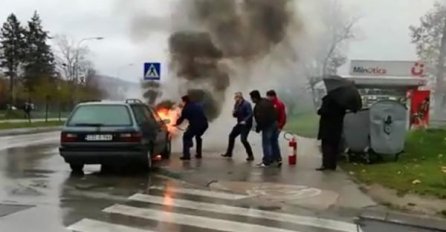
<point x="78" y="47"/>
<point x="76" y="63"/>
<point x="59" y="97"/>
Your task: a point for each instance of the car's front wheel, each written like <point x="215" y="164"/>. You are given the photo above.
<point x="77" y="168"/>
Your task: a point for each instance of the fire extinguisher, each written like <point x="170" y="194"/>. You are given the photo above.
<point x="292" y="157"/>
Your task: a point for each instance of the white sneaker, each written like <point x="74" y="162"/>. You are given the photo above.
<point x="262" y="165"/>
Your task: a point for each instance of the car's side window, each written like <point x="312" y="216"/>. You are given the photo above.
<point x="142" y="114"/>
<point x="149" y="114"/>
<point x="139" y="116"/>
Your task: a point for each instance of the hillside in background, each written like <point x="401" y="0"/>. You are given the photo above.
<point x="116" y="88"/>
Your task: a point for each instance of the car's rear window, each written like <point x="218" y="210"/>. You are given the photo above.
<point x="101" y="115"/>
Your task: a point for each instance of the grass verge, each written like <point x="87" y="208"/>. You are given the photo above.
<point x="421" y="170"/>
<point x="305" y="125"/>
<point x="7" y="126"/>
<point x="19" y="114"/>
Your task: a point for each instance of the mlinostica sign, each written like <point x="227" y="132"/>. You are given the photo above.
<point x="388" y="68"/>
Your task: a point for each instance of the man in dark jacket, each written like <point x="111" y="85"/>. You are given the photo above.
<point x="330" y="132"/>
<point x="266" y="119"/>
<point x="198" y="124"/>
<point x="243" y="112"/>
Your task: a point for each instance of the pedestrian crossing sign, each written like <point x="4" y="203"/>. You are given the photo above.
<point x="152" y="71"/>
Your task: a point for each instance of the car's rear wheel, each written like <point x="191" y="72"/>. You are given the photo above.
<point x="77" y="168"/>
<point x="167" y="150"/>
<point x="146" y="162"/>
<point x="106" y="168"/>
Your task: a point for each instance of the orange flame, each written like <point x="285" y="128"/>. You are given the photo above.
<point x="172" y="115"/>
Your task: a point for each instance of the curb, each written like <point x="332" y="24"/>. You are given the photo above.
<point x="25" y="131"/>
<point x="422" y="222"/>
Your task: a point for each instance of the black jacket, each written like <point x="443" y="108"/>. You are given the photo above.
<point x="194" y="113"/>
<point x="331" y="120"/>
<point x="265" y="114"/>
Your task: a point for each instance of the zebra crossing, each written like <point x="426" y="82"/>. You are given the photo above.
<point x="206" y="220"/>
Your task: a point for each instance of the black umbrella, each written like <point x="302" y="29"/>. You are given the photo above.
<point x="344" y="92"/>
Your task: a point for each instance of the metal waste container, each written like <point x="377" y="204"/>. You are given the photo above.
<point x="356" y="130"/>
<point x="356" y="134"/>
<point x="388" y="127"/>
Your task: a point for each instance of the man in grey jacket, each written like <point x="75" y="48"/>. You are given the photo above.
<point x="243" y="112"/>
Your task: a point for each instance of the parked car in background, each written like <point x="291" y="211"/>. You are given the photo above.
<point x="114" y="134"/>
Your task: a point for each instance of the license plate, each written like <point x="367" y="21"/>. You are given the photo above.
<point x="99" y="137"/>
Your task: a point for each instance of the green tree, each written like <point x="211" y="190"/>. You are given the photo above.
<point x="90" y="88"/>
<point x="12" y="51"/>
<point x="39" y="57"/>
<point x="430" y="40"/>
<point x="44" y="88"/>
<point x="64" y="95"/>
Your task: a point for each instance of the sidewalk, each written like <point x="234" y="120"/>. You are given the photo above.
<point x="299" y="185"/>
<point x="25" y="131"/>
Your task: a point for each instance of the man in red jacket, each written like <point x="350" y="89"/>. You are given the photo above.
<point x="281" y="121"/>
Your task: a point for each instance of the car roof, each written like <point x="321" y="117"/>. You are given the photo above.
<point x="102" y="103"/>
<point x="107" y="102"/>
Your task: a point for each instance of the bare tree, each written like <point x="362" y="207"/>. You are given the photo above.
<point x="340" y="29"/>
<point x="72" y="59"/>
<point x="430" y="40"/>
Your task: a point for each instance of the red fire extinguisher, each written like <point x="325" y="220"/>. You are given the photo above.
<point x="292" y="157"/>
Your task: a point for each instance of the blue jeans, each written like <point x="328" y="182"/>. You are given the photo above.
<point x="268" y="135"/>
<point x="277" y="156"/>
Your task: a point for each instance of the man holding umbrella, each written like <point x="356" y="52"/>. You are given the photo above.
<point x="341" y="95"/>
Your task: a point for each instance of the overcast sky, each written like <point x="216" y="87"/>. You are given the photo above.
<point x="383" y="25"/>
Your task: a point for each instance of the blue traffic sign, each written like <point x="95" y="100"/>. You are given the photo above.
<point x="152" y="71"/>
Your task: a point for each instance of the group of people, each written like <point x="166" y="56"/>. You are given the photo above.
<point x="269" y="115"/>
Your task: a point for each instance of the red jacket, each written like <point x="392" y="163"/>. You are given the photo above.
<point x="281" y="112"/>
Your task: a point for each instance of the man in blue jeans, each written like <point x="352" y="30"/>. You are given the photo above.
<point x="281" y="121"/>
<point x="266" y="118"/>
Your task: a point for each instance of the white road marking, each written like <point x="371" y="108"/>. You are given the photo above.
<point x="217" y="208"/>
<point x="291" y="192"/>
<point x="88" y="225"/>
<point x="203" y="193"/>
<point x="189" y="220"/>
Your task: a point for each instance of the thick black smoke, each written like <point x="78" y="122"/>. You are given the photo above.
<point x="152" y="91"/>
<point x="247" y="28"/>
<point x="226" y="29"/>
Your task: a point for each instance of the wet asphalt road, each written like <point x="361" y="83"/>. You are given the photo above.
<point x="38" y="193"/>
